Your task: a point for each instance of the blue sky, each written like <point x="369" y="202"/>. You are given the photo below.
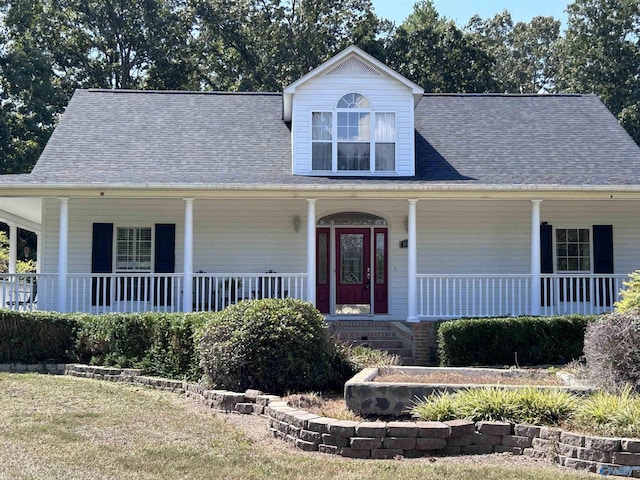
<point x="462" y="10"/>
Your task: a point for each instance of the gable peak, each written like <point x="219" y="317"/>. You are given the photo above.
<point x="353" y="67"/>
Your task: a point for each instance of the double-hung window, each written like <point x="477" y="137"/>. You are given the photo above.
<point x="348" y="138"/>
<point x="573" y="251"/>
<point x="133" y="256"/>
<point x="573" y="257"/>
<point x="133" y="249"/>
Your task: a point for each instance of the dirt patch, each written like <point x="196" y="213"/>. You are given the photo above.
<point x="326" y="405"/>
<point x="536" y="378"/>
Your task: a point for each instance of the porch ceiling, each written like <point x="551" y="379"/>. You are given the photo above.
<point x="26" y="212"/>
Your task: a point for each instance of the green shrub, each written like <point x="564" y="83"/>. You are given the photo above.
<point x="172" y="353"/>
<point x="630" y="296"/>
<point x="509" y="341"/>
<point x="519" y="405"/>
<point x="274" y="345"/>
<point x="160" y="343"/>
<point x="612" y="350"/>
<point x="35" y="337"/>
<point x="115" y="339"/>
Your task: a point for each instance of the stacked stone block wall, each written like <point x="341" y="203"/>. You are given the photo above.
<point x="51" y="368"/>
<point x="383" y="440"/>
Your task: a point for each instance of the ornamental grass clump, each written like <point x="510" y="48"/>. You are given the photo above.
<point x="518" y="405"/>
<point x="606" y="413"/>
<point x="361" y="357"/>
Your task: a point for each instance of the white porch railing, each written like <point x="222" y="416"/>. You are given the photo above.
<point x="582" y="294"/>
<point x="215" y="291"/>
<point x="20" y="291"/>
<point x="457" y="296"/>
<point x="107" y="293"/>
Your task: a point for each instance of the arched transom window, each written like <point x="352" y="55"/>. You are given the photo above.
<point x="346" y="139"/>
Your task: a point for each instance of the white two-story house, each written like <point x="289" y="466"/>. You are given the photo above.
<point x="352" y="189"/>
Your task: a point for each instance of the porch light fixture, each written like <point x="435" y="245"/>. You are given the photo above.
<point x="296" y="223"/>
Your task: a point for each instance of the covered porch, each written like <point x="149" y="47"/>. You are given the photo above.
<point x="436" y="258"/>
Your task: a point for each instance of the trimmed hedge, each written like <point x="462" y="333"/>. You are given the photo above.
<point x="36" y="337"/>
<point x="498" y="341"/>
<point x="160" y="343"/>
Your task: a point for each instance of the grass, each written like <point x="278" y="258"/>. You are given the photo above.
<point x="68" y="428"/>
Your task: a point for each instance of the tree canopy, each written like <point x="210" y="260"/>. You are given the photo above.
<point x="48" y="48"/>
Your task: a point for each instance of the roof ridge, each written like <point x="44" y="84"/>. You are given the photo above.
<point x="175" y="92"/>
<point x="515" y="95"/>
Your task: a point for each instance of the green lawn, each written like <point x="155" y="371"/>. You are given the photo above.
<point x="69" y="428"/>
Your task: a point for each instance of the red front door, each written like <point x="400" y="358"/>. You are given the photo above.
<point x="353" y="266"/>
<point x="358" y="272"/>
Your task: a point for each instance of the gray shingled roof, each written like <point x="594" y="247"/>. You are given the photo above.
<point x="239" y="139"/>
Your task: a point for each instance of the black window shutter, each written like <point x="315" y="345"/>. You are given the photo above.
<point x="602" y="249"/>
<point x="546" y="249"/>
<point x="164" y="262"/>
<point x="101" y="262"/>
<point x="603" y="262"/>
<point x="546" y="263"/>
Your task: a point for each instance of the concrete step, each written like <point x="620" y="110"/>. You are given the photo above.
<point x="401" y="352"/>
<point x="377" y="335"/>
<point x="378" y="344"/>
<point x="365" y="334"/>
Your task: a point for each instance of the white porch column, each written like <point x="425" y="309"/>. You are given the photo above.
<point x="38" y="252"/>
<point x="412" y="262"/>
<point x="311" y="250"/>
<point x="535" y="257"/>
<point x="13" y="247"/>
<point x="187" y="282"/>
<point x="63" y="254"/>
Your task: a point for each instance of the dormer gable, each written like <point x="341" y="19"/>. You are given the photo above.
<point x="352" y="115"/>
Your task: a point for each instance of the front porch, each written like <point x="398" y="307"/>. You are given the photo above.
<point x="392" y="259"/>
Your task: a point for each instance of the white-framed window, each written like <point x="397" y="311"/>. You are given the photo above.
<point x="347" y="139"/>
<point x="573" y="250"/>
<point x="133" y="249"/>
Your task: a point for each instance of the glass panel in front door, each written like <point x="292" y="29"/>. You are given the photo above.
<point x="351" y="261"/>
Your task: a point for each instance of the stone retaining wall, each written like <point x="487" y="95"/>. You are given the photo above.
<point x="310" y="432"/>
<point x="366" y="397"/>
<point x="52" y="368"/>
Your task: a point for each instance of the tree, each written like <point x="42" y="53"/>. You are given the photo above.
<point x="524" y="54"/>
<point x="30" y="96"/>
<point x="600" y="55"/>
<point x="48" y="48"/>
<point x="263" y="45"/>
<point x="23" y="265"/>
<point x="437" y="55"/>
